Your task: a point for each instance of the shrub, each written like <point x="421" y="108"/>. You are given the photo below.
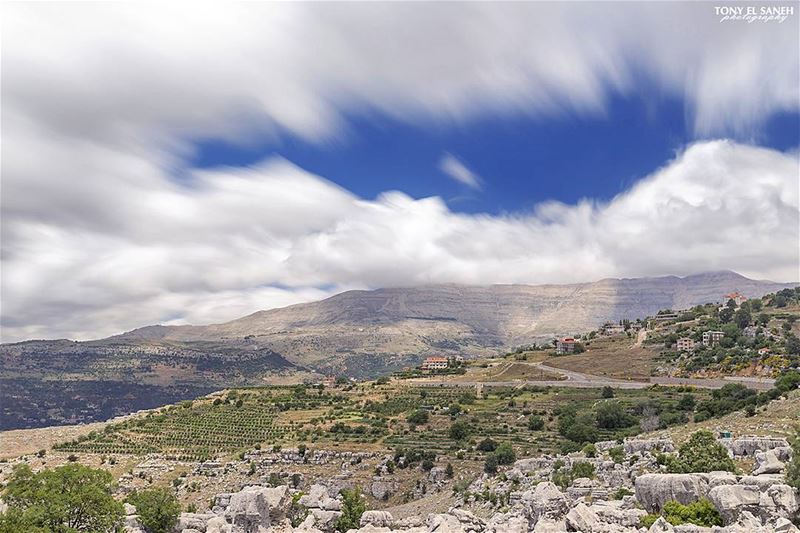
<point x="582" y="469"/>
<point x="505" y="454"/>
<point x="590" y="450"/>
<point x="458" y="430"/>
<point x="158" y="509"/>
<point x="608" y="392"/>
<point x="701" y="513"/>
<point x="617" y="454"/>
<point x="611" y="415"/>
<point x="449" y="472"/>
<point x="701" y="453"/>
<point x="621" y="493"/>
<point x="490" y="464"/>
<point x="487" y="445"/>
<point x="353" y="506"/>
<point x="420" y="416"/>
<point x="535" y="423"/>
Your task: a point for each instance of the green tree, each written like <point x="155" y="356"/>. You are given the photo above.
<point x="487" y="445"/>
<point x="611" y="415"/>
<point x="420" y="416"/>
<point x="459" y="430"/>
<point x="701" y="453"/>
<point x="158" y="509"/>
<point x="687" y="402"/>
<point x="66" y="499"/>
<point x="353" y="506"/>
<point x="787" y="381"/>
<point x="743" y="317"/>
<point x="608" y="392"/>
<point x="490" y="464"/>
<point x="535" y="423"/>
<point x="505" y="454"/>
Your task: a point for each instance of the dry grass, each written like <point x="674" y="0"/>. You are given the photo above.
<point x="614" y="357"/>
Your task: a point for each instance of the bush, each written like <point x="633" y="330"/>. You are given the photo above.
<point x="590" y="450"/>
<point x="459" y="430"/>
<point x="611" y="415"/>
<point x="582" y="469"/>
<point x="617" y="454"/>
<point x="535" y="423"/>
<point x="701" y="453"/>
<point x="353" y="506"/>
<point x="72" y="497"/>
<point x="608" y="392"/>
<point x="490" y="464"/>
<point x="505" y="454"/>
<point x="700" y="513"/>
<point x="487" y="445"/>
<point x="621" y="493"/>
<point x="158" y="509"/>
<point x="420" y="416"/>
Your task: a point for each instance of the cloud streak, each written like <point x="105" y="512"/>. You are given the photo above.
<point x="455" y="169"/>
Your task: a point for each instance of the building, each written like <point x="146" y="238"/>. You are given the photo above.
<point x="565" y="345"/>
<point x="435" y="363"/>
<point x="613" y="329"/>
<point x="685" y="344"/>
<point x="663" y="317"/>
<point x="712" y="338"/>
<point x="736" y="296"/>
<point x="763" y="351"/>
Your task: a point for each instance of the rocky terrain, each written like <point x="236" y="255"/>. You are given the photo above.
<point x="619" y="498"/>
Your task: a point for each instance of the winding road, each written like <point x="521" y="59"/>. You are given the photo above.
<point x="581" y="380"/>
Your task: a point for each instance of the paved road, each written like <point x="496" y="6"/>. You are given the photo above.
<point x="581" y="380"/>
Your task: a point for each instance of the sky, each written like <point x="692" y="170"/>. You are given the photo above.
<point x="169" y="165"/>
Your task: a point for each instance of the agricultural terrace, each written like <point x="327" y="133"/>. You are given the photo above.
<point x="395" y="416"/>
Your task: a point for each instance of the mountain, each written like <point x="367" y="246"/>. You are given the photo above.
<point x="358" y="333"/>
<point x="399" y="323"/>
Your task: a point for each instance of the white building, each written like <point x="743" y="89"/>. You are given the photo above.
<point x="712" y="338"/>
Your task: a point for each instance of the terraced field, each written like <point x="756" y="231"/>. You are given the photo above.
<point x="367" y="416"/>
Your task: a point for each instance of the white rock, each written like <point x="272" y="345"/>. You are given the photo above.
<point x="654" y="490"/>
<point x="376" y="518"/>
<point x="582" y="518"/>
<point x="732" y="500"/>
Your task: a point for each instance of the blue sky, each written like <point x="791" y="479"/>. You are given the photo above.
<point x="522" y="160"/>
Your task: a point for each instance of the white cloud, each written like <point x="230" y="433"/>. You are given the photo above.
<point x="255" y="238"/>
<point x="122" y="71"/>
<point x="453" y="167"/>
<point x="102" y="101"/>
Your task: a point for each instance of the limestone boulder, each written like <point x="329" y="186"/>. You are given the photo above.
<point x="768" y="463"/>
<point x="545" y="501"/>
<point x="198" y="521"/>
<point x="732" y="500"/>
<point x="654" y="490"/>
<point x="582" y="518"/>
